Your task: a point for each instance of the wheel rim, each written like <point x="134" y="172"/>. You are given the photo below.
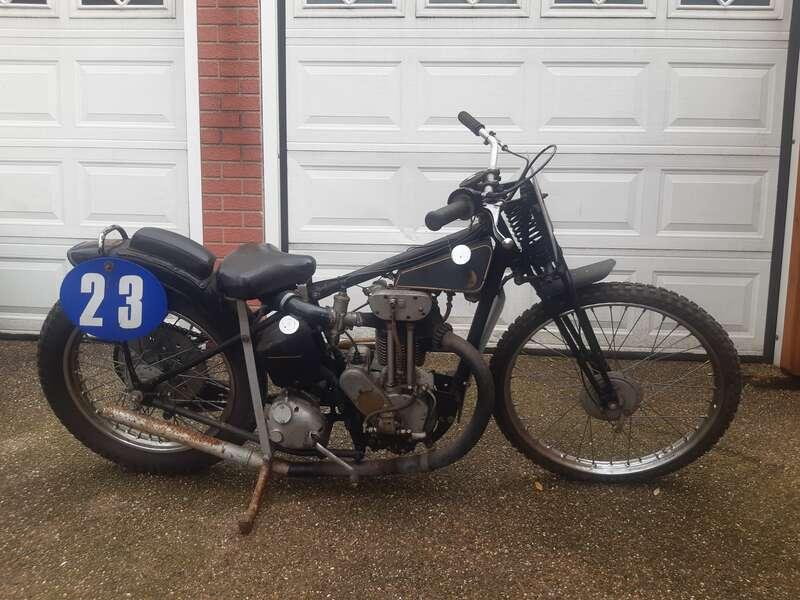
<point x="95" y="377"/>
<point x="675" y="366"/>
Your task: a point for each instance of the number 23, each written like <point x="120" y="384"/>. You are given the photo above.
<point x="131" y="288"/>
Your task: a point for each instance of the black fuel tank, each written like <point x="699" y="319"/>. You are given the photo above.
<point x="442" y="271"/>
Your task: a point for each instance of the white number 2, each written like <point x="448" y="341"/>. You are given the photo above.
<point x="94" y="284"/>
<point x="130" y="315"/>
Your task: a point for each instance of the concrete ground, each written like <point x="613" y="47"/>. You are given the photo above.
<point x="73" y="525"/>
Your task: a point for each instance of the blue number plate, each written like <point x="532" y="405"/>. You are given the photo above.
<point x="113" y="299"/>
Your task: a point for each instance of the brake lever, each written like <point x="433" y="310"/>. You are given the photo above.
<point x="494" y="211"/>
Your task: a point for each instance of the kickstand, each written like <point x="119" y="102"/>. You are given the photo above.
<point x="248" y="518"/>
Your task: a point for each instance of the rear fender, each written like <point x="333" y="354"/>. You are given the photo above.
<point x="200" y="292"/>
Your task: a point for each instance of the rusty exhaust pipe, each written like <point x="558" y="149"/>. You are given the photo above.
<point x="243" y="455"/>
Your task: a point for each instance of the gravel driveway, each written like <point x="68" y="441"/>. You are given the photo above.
<point x="75" y="526"/>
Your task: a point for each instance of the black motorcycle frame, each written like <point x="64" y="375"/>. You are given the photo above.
<point x="509" y="217"/>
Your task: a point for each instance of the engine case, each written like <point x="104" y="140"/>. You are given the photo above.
<point x="403" y="413"/>
<point x="295" y="421"/>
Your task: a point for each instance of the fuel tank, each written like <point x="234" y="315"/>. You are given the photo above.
<point x="460" y="268"/>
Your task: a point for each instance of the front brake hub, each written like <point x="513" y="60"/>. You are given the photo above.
<point x="629" y="397"/>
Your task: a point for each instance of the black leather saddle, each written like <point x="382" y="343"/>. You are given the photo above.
<point x="175" y="248"/>
<point x="258" y="270"/>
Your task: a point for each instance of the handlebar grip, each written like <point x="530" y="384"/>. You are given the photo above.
<point x="470" y="122"/>
<point x="460" y="208"/>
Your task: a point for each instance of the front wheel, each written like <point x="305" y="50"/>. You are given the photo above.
<point x="675" y="371"/>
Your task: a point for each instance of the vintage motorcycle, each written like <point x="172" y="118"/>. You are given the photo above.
<point x="160" y="363"/>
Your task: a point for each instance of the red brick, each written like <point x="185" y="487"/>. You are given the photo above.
<point x="253" y="219"/>
<point x="243" y="170"/>
<point x="252" y="153"/>
<point x="207" y="16"/>
<point x="218" y="85"/>
<point x="239" y="68"/>
<point x="208" y="68"/>
<point x="219" y="119"/>
<point x="212" y="169"/>
<point x="212" y="234"/>
<point x="241" y="136"/>
<point x="251" y="119"/>
<point x="222" y="186"/>
<point x="217" y="50"/>
<point x="249" y="50"/>
<point x="228" y="153"/>
<point x="249" y="86"/>
<point x="238" y="33"/>
<point x="211" y="203"/>
<point x="230" y="104"/>
<point x="226" y="218"/>
<point x="252" y="186"/>
<point x="207" y="33"/>
<point x="239" y="234"/>
<point x="248" y="16"/>
<point x="237" y="3"/>
<point x="240" y="102"/>
<point x="210" y="101"/>
<point x="242" y="203"/>
<point x="210" y="135"/>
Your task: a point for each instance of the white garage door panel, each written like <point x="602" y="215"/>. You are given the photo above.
<point x="669" y="202"/>
<point x="587" y="95"/>
<point x="92" y="132"/>
<point x="668" y="127"/>
<point x="93" y="93"/>
<point x="130" y="187"/>
<point x="29" y="287"/>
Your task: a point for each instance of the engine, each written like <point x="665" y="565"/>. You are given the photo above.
<point x="394" y="395"/>
<point x="399" y="404"/>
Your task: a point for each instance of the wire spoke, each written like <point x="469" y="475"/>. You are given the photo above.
<point x="630" y="331"/>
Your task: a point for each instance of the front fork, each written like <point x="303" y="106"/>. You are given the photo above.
<point x="584" y="346"/>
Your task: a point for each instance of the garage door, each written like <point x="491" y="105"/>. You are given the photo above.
<point x="667" y="116"/>
<point x="92" y="132"/>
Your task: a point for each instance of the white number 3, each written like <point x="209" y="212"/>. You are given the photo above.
<point x="130" y="315"/>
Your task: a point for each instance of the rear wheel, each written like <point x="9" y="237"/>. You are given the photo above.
<point x="674" y="368"/>
<point x="79" y="374"/>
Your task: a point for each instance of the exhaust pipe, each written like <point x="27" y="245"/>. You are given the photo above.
<point x="243" y="455"/>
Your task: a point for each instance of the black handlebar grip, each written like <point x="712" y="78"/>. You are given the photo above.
<point x="470" y="122"/>
<point x="460" y="208"/>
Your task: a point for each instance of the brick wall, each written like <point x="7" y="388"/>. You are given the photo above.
<point x="230" y="123"/>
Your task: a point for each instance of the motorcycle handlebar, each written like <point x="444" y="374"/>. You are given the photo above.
<point x="459" y="209"/>
<point x="470" y="122"/>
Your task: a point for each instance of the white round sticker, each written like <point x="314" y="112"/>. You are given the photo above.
<point x="461" y="254"/>
<point x="288" y="325"/>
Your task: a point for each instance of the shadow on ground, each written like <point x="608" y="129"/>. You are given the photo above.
<point x="75" y="526"/>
